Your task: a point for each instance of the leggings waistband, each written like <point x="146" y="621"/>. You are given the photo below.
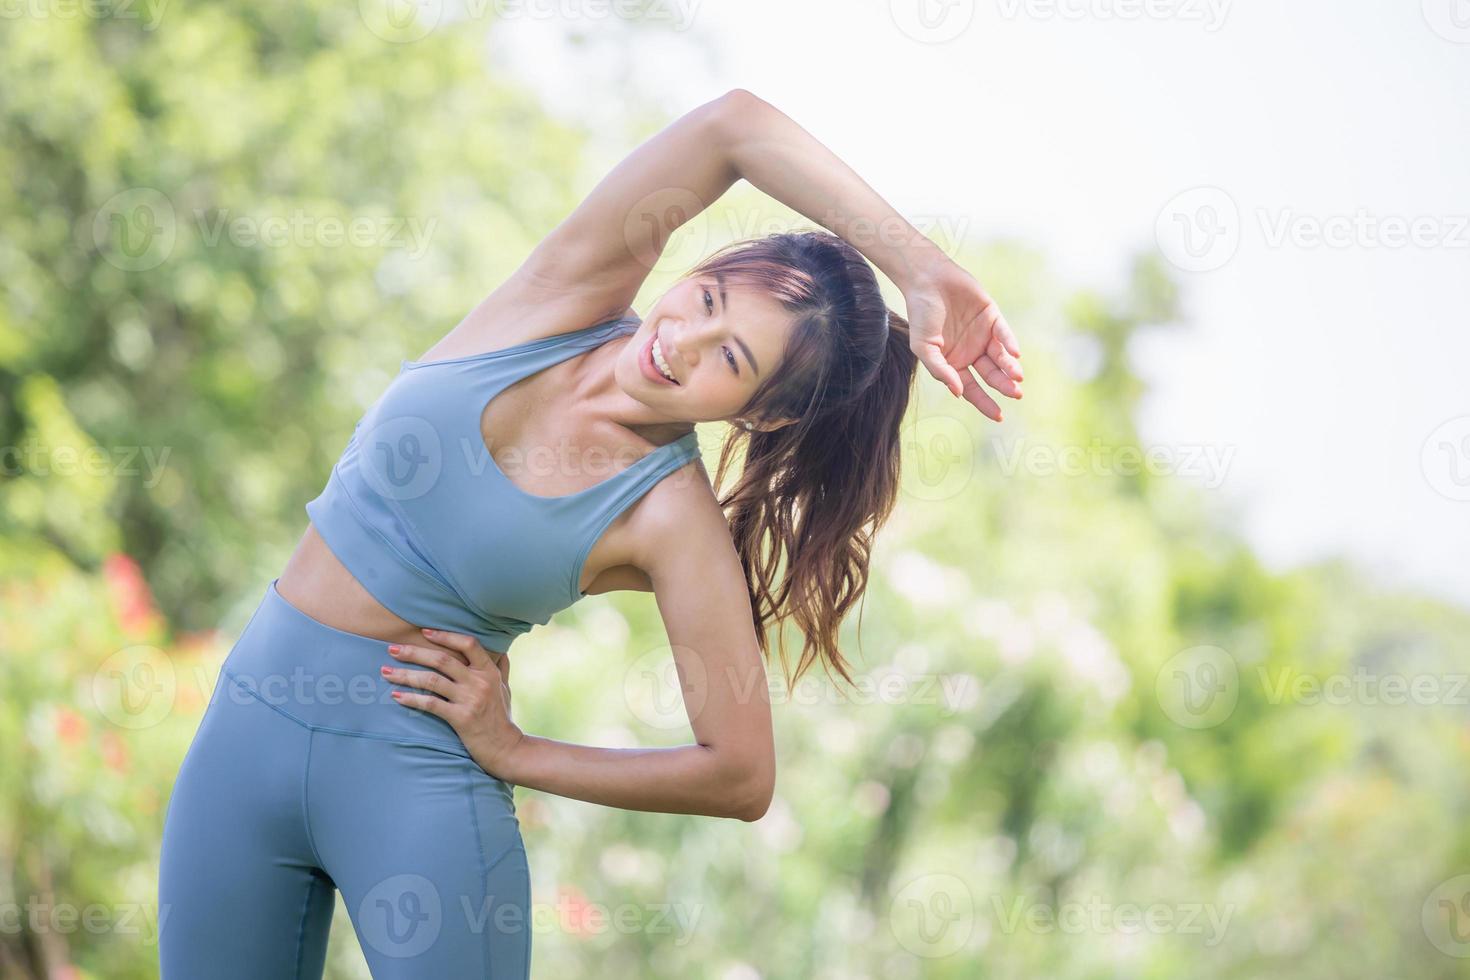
<point x="325" y="678"/>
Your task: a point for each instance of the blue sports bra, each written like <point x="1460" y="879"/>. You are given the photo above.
<point x="421" y="515"/>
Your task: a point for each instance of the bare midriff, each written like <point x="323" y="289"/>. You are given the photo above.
<point x="319" y="585"/>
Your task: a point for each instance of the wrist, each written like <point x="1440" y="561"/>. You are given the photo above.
<point x="510" y="759"/>
<point x="918" y="262"/>
<point x="501" y="759"/>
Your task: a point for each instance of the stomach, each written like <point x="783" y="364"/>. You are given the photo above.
<point x="319" y="585"/>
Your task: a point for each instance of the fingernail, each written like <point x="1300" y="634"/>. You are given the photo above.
<point x="429" y="631"/>
<point x="394" y="648"/>
<point x="386" y="670"/>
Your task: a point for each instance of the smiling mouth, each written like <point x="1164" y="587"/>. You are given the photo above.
<point x="652" y="362"/>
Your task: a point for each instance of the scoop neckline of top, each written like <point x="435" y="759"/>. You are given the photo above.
<point x="688" y="440"/>
<point x="537" y="344"/>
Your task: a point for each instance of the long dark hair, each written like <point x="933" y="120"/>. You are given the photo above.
<point x="815" y="490"/>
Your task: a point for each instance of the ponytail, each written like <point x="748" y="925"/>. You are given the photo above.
<point x="815" y="492"/>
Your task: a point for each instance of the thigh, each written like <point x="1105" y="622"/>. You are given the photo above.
<point x="240" y="892"/>
<point x="427" y="850"/>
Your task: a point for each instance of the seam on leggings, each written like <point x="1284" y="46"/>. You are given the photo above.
<point x="305" y="805"/>
<point x="488" y="960"/>
<point x="457" y="747"/>
<point x="301" y="929"/>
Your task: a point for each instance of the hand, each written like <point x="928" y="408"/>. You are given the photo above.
<point x="953" y="325"/>
<point x="472" y="685"/>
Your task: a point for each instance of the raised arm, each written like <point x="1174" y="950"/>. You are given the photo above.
<point x="953" y="323"/>
<point x="603" y="251"/>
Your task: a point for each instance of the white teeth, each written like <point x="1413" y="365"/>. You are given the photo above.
<point x="658" y="359"/>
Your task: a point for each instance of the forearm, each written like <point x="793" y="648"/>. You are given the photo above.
<point x="681" y="779"/>
<point x="768" y="149"/>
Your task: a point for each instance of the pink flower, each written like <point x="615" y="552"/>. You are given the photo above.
<point x="579" y="910"/>
<point x="70" y="726"/>
<point x="114" y="752"/>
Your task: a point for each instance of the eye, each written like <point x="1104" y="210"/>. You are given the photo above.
<point x="709" y="303"/>
<point x="730" y="357"/>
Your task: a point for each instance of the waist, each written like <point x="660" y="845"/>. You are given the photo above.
<point x="316" y="582"/>
<point x="324" y="678"/>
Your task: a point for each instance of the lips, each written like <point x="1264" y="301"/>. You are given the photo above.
<point x="649" y="368"/>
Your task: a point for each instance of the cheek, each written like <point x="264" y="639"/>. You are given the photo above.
<point x="718" y="393"/>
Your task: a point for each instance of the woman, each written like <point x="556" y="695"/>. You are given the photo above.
<point x="349" y="747"/>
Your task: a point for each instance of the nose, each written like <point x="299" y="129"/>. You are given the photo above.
<point x="683" y="343"/>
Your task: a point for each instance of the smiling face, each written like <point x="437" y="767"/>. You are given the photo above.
<point x="720" y="340"/>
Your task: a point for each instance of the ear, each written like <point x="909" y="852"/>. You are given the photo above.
<point x="765" y="425"/>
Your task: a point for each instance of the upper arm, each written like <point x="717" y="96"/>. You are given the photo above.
<point x="607" y="246"/>
<point x="688" y="555"/>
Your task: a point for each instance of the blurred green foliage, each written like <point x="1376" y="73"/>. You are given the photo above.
<point x="1084" y="744"/>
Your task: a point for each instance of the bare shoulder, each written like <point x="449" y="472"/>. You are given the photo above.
<point x="677" y="522"/>
<point x="521" y="310"/>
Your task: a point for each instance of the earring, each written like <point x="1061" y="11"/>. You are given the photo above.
<point x="746" y="425"/>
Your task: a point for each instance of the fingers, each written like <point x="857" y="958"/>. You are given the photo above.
<point x="933" y="360"/>
<point x="997" y="378"/>
<point x="423" y="702"/>
<point x="469" y="648"/>
<point x="977" y="396"/>
<point x="442" y="661"/>
<point x="1002" y="331"/>
<point x="1002" y="359"/>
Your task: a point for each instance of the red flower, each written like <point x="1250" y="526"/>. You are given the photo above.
<point x="132" y="602"/>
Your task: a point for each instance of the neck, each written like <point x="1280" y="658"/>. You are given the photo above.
<point x="597" y="395"/>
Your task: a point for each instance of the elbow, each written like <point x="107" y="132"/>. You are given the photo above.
<point x="735" y="114"/>
<point x="736" y="98"/>
<point x="759" y="789"/>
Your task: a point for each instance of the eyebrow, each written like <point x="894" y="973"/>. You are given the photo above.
<point x="725" y="305"/>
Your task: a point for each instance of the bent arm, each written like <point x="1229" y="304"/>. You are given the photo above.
<point x="700" y="589"/>
<point x="605" y="249"/>
<point x="768" y="149"/>
<point x="681" y="779"/>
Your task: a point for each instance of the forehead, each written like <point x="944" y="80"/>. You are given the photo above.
<point x="749" y="306"/>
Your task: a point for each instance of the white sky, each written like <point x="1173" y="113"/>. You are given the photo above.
<point x="1326" y="368"/>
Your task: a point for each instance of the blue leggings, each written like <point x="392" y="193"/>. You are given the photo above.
<point x="304" y="777"/>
